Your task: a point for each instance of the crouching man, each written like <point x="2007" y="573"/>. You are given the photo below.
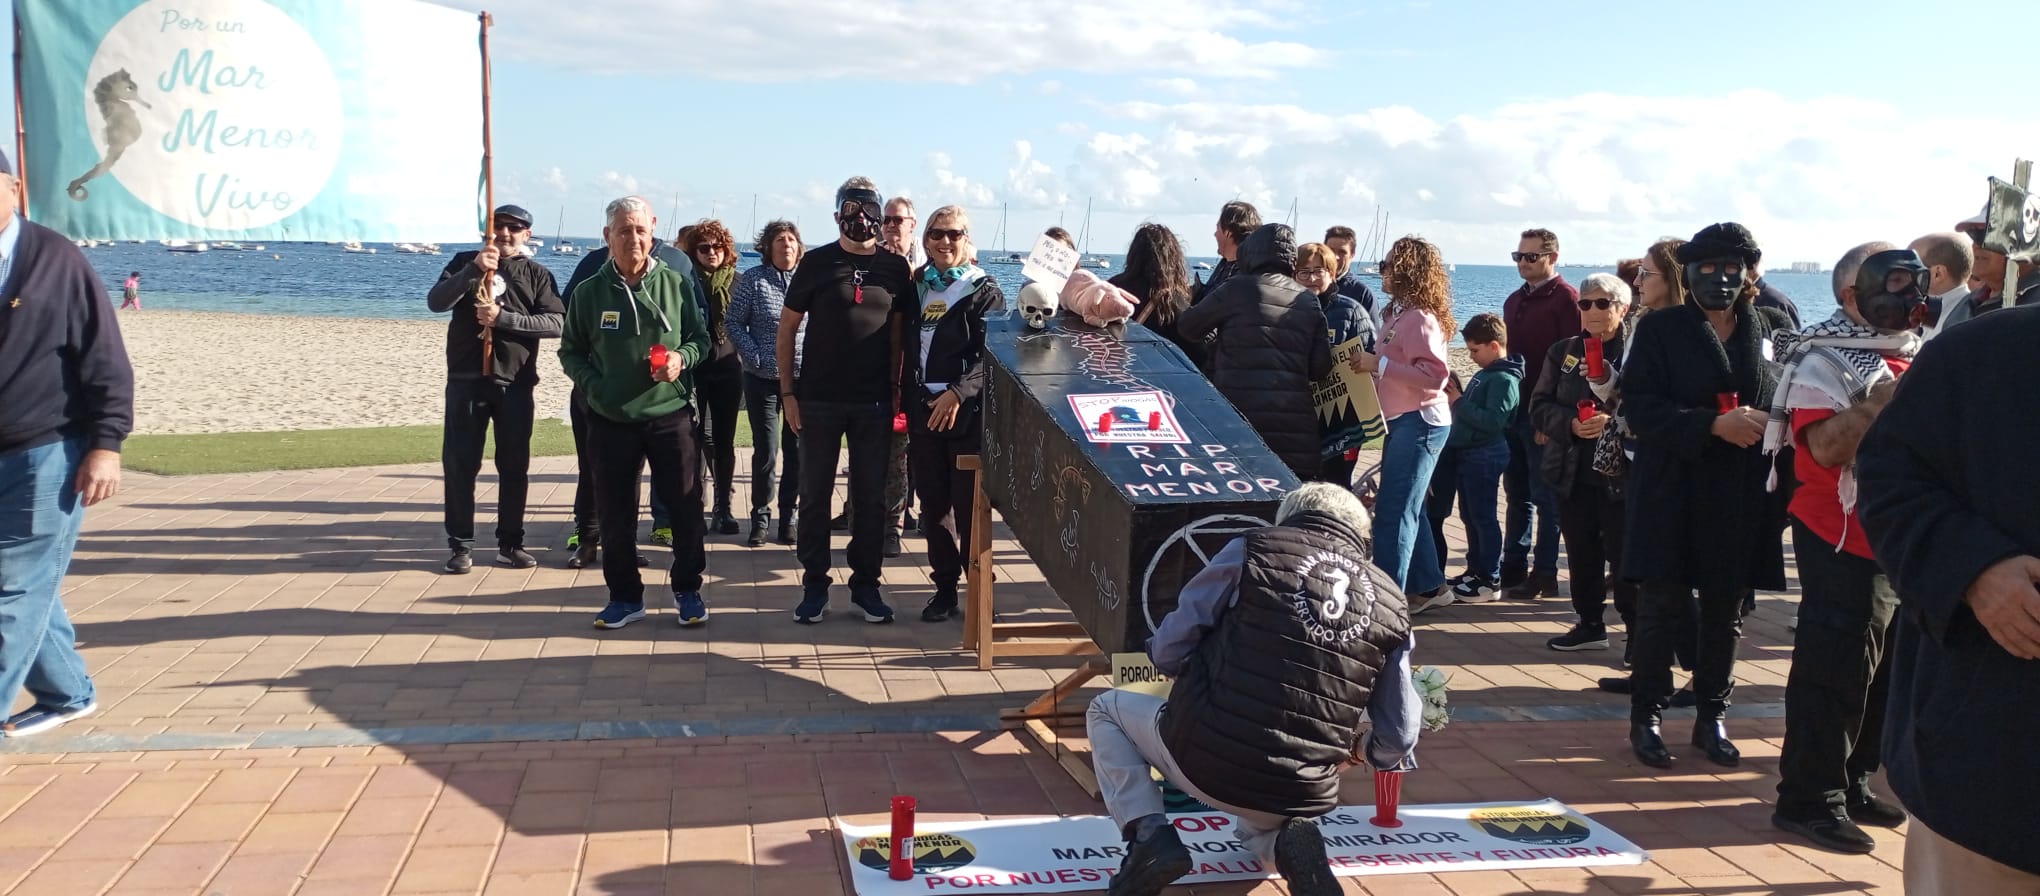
<point x="1278" y="648"/>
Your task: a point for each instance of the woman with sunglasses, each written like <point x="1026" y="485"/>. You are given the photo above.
<point x="719" y="380"/>
<point x="943" y="389"/>
<point x="1565" y="409"/>
<point x="1410" y="372"/>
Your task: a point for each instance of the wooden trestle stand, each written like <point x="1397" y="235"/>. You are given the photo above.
<point x="1044" y="717"/>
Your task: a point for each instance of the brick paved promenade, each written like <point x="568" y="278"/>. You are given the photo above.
<point x="294" y="701"/>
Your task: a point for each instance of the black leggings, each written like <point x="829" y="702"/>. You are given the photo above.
<point x="721" y="393"/>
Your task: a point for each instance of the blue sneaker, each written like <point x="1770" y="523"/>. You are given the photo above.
<point x="814" y="603"/>
<point x="875" y="610"/>
<point x="618" y="615"/>
<point x="38" y="719"/>
<point x="692" y="610"/>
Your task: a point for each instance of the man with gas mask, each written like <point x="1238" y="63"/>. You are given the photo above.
<point x="859" y="298"/>
<point x="1838" y="375"/>
<point x="1700" y="517"/>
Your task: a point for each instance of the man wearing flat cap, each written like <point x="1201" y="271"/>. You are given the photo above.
<point x="491" y="370"/>
<point x="1694" y="391"/>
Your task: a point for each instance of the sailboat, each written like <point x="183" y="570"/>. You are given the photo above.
<point x="561" y="246"/>
<point x="1087" y="259"/>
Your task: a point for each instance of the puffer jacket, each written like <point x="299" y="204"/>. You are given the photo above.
<point x="1554" y="405"/>
<point x="1269" y="346"/>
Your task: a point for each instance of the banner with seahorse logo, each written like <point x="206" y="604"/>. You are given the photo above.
<point x="251" y="120"/>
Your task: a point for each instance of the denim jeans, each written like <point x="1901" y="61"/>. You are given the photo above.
<point x="1526" y="491"/>
<point x="824" y="427"/>
<point x="1402" y="542"/>
<point x="761" y="404"/>
<point x="472" y="406"/>
<point x="40" y="513"/>
<point x="1477" y="478"/>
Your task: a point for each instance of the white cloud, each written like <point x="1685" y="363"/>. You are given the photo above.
<point x="1609" y="172"/>
<point x="917" y="40"/>
<point x="1177" y="86"/>
<point x="1049" y="88"/>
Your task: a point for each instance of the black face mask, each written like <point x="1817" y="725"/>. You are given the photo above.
<point x="1891" y="291"/>
<point x="1715" y="290"/>
<point x="858" y="213"/>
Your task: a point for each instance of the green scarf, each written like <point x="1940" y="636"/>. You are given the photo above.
<point x="718" y="283"/>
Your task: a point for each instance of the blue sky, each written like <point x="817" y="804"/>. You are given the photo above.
<point x="1820" y="124"/>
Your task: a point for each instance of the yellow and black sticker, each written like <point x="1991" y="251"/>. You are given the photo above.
<point x="1531" y="825"/>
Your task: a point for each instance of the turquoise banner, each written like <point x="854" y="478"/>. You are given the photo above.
<point x="316" y="120"/>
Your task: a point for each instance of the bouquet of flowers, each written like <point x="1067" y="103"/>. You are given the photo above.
<point x="1430" y="682"/>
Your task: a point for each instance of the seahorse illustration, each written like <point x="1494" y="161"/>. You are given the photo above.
<point x="123" y="126"/>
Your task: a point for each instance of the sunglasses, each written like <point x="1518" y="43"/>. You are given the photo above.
<point x="710" y="247"/>
<point x="897" y="220"/>
<point x="512" y="226"/>
<point x="1527" y="256"/>
<point x="1645" y="272"/>
<point x="1312" y="273"/>
<point x="936" y="234"/>
<point x="1602" y="304"/>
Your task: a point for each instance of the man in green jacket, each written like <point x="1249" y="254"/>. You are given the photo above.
<point x="633" y="335"/>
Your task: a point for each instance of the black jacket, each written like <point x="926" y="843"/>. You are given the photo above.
<point x="532" y="310"/>
<point x="64" y="371"/>
<point x="1271" y="703"/>
<point x="1699" y="513"/>
<point x="1554" y="405"/>
<point x="1269" y="348"/>
<point x="1947" y="490"/>
<point x="956" y="356"/>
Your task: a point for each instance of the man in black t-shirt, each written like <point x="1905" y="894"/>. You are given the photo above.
<point x="859" y="297"/>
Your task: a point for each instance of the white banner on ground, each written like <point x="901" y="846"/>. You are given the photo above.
<point x="1060" y="855"/>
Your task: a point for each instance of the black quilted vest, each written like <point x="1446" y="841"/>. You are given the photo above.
<point x="1272" y="701"/>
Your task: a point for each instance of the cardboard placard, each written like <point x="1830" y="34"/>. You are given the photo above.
<point x="1051" y="263"/>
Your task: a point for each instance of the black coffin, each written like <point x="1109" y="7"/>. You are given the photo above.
<point x="1118" y="513"/>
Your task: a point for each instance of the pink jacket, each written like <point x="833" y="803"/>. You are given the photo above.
<point x="1413" y="346"/>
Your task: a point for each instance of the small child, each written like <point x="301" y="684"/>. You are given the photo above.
<point x="1476" y="454"/>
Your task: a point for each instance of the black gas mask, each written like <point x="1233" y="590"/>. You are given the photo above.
<point x="1715" y="283"/>
<point x="1891" y="291"/>
<point x="858" y="213"/>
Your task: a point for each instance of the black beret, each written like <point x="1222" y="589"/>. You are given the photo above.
<point x="1726" y="240"/>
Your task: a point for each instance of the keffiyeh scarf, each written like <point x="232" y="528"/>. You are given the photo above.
<point x="1829" y="366"/>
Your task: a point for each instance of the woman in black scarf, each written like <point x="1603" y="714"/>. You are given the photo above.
<point x="1700" y="518"/>
<point x="719" y="379"/>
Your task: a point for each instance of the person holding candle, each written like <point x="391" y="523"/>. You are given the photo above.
<point x="1280" y="648"/>
<point x="1565" y="408"/>
<point x="1696" y="377"/>
<point x="634" y="333"/>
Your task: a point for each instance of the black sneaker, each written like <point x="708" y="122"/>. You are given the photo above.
<point x="1582" y="637"/>
<point x="1833" y="832"/>
<point x="586" y="554"/>
<point x="725" y="524"/>
<point x="1867" y="808"/>
<point x="1513" y="573"/>
<point x="893" y="548"/>
<point x="757" y="538"/>
<point x="1300" y="856"/>
<point x="642" y="560"/>
<point x="1476" y="590"/>
<point x="875" y="610"/>
<point x="814" y="604"/>
<point x="1151" y="865"/>
<point x="1543" y="584"/>
<point x="515" y="558"/>
<point x="785" y="532"/>
<point x="461" y="561"/>
<point x="941" y="606"/>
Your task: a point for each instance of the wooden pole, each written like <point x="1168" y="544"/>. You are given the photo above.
<point x="485" y="293"/>
<point x="20" y="130"/>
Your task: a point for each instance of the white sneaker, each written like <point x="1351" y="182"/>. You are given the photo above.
<point x="1425" y="603"/>
<point x="36" y="720"/>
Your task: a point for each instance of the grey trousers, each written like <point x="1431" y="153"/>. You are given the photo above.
<point x="1126" y="744"/>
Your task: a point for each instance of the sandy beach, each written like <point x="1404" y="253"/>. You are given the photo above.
<point x="218" y="372"/>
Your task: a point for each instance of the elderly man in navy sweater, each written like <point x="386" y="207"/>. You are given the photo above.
<point x="66" y="404"/>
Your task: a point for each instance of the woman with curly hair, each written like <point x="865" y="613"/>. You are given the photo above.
<point x="1410" y="373"/>
<point x="719" y="379"/>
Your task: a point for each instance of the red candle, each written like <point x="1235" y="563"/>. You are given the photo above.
<point x="1154" y="421"/>
<point x="1387" y="796"/>
<point x="1596" y="365"/>
<point x="659" y="356"/>
<point x="1727" y="401"/>
<point x="902" y="866"/>
<point x="899" y="422"/>
<point x="1105" y="422"/>
<point x="1587" y="409"/>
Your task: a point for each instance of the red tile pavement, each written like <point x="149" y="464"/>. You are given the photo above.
<point x="307" y="605"/>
